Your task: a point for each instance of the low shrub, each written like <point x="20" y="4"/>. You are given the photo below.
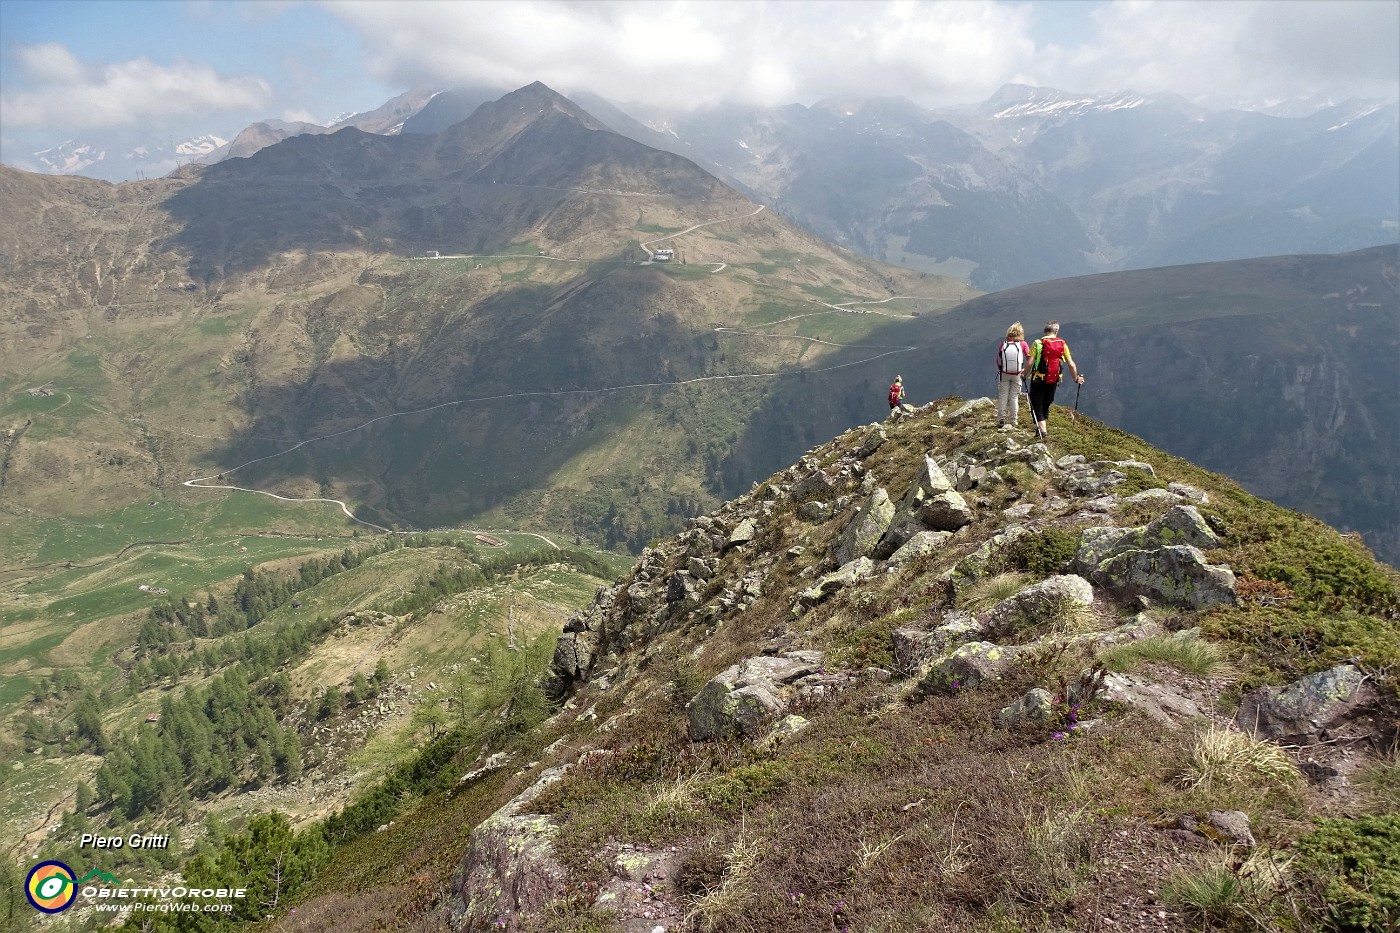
<point x="1354" y="867"/>
<point x="1045" y="552"/>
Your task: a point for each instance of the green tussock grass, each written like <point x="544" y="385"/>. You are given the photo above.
<point x="1187" y="654"/>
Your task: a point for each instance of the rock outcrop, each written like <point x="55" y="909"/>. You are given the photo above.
<point x="509" y="867"/>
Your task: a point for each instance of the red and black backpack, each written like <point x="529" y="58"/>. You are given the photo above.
<point x="1052" y="350"/>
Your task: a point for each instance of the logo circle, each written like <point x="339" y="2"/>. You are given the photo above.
<point x="50" y="887"/>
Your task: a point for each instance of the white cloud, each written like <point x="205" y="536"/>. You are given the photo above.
<point x="60" y="91"/>
<point x="1223" y="50"/>
<point x="689" y="54"/>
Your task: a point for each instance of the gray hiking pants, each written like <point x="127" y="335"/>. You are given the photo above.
<point x="1008" y="397"/>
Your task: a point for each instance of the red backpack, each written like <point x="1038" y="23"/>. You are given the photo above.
<point x="896" y="393"/>
<point x="1052" y="350"/>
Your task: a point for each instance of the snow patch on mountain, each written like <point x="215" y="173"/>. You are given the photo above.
<point x="69" y="157"/>
<point x="199" y="145"/>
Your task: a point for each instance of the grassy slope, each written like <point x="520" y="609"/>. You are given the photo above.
<point x="72" y="628"/>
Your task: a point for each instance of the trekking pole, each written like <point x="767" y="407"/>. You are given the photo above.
<point x="1074" y="415"/>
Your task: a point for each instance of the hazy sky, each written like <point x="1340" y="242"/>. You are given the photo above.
<point x="168" y="69"/>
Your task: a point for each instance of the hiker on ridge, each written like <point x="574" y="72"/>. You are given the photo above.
<point x="1013" y="362"/>
<point x="1049" y="356"/>
<point x="896" y="393"/>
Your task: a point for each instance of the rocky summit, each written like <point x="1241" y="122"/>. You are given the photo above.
<point x="940" y="675"/>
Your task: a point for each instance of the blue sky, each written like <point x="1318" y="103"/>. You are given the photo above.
<point x="118" y="72"/>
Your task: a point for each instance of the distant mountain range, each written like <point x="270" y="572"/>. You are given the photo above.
<point x="279" y="289"/>
<point x="1034" y="184"/>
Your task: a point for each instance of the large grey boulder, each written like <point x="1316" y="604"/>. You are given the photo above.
<point x="967" y="409"/>
<point x="509" y="869"/>
<point x="1177" y="574"/>
<point x="947" y="511"/>
<point x="866" y="529"/>
<point x="1181" y="524"/>
<point x="746" y="698"/>
<point x="1306" y="708"/>
<point x="1163" y="702"/>
<point x="930" y="481"/>
<point x="743" y="533"/>
<point x="1038" y="604"/>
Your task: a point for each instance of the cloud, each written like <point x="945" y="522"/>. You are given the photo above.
<point x="688" y="54"/>
<point x="1226" y="50"/>
<point x="60" y="91"/>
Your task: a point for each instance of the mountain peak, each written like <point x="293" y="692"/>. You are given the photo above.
<point x="542" y="96"/>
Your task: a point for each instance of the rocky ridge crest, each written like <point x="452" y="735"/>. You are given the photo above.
<point x="1018" y="566"/>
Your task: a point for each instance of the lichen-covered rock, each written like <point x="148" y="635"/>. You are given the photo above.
<point x="859" y="569"/>
<point x="1035" y="708"/>
<point x="700" y="569"/>
<point x="921" y="544"/>
<point x="1306" y="708"/>
<point x="1162" y="702"/>
<point x="509" y="869"/>
<point x="815" y="510"/>
<point x="1042" y="603"/>
<point x="1188" y="492"/>
<point x="968" y="666"/>
<point x="866" y="529"/>
<point x="1089" y="485"/>
<point x="743" y="533"/>
<point x="1181" y="524"/>
<point x="1177" y="574"/>
<point x="1152" y="495"/>
<point x="701" y="544"/>
<point x="745" y="698"/>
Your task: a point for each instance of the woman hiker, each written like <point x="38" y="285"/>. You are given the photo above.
<point x="1049" y="356"/>
<point x="1013" y="360"/>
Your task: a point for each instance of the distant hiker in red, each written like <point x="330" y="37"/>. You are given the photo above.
<point x="1049" y="356"/>
<point x="1013" y="362"/>
<point x="897" y="395"/>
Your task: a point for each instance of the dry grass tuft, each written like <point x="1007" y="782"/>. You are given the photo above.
<point x="984" y="594"/>
<point x="1224" y="757"/>
<point x="721" y="907"/>
<point x="1379" y="782"/>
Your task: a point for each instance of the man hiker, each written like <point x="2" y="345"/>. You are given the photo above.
<point x="1013" y="361"/>
<point x="1049" y="356"/>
